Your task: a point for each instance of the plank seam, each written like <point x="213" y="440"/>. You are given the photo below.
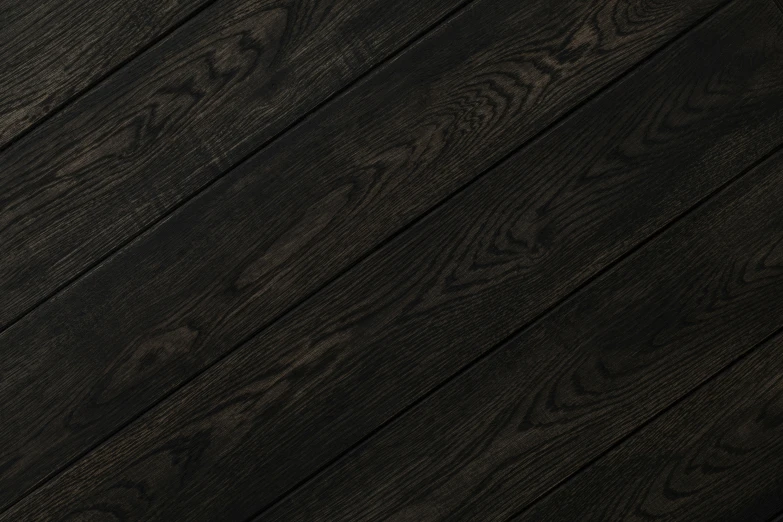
<point x="778" y="5"/>
<point x="649" y="421"/>
<point x="300" y="121"/>
<point x="519" y="331"/>
<point x="96" y="82"/>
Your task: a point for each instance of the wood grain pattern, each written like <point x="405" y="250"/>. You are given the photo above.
<point x="276" y="229"/>
<point x="51" y="50"/>
<point x="555" y="397"/>
<point x="173" y="120"/>
<point x="718" y="456"/>
<point x="522" y="237"/>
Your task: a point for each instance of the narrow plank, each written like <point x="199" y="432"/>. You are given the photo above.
<point x="51" y="50"/>
<point x="718" y="456"/>
<point x="318" y="380"/>
<point x="276" y="229"/>
<point x="160" y="129"/>
<point x="553" y="398"/>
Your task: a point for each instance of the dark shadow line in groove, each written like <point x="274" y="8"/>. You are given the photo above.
<point x="519" y="331"/>
<point x="99" y="80"/>
<point x="780" y="8"/>
<point x="176" y="206"/>
<point x="779" y="516"/>
<point x="298" y="121"/>
<point x="649" y="421"/>
<point x="558" y="121"/>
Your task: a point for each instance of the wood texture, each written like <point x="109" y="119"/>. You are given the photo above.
<point x="129" y="151"/>
<point x="718" y="456"/>
<point x="279" y="227"/>
<point x="562" y="392"/>
<point x="51" y="50"/>
<point x="522" y="237"/>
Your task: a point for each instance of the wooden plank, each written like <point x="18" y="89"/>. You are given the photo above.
<point x="717" y="456"/>
<point x="555" y="397"/>
<point x="52" y="50"/>
<point x="324" y="376"/>
<point x="276" y="229"/>
<point x="173" y="120"/>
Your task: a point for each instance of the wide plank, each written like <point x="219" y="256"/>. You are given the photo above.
<point x="53" y="50"/>
<point x="716" y="456"/>
<point x="158" y="130"/>
<point x="422" y="307"/>
<point x="553" y="398"/>
<point x="275" y="230"/>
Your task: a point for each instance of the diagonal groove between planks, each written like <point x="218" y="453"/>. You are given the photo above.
<point x="301" y="120"/>
<point x="550" y="310"/>
<point x="102" y="78"/>
<point x="418" y="219"/>
<point x="704" y="384"/>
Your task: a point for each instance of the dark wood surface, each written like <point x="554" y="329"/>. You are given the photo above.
<point x="53" y="50"/>
<point x="371" y="260"/>
<point x="274" y="230"/>
<point x="159" y="130"/>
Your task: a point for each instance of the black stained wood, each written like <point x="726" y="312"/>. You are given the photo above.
<point x="463" y="279"/>
<point x="51" y="50"/>
<point x="553" y="398"/>
<point x="276" y="229"/>
<point x="173" y="120"/>
<point x="717" y="456"/>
